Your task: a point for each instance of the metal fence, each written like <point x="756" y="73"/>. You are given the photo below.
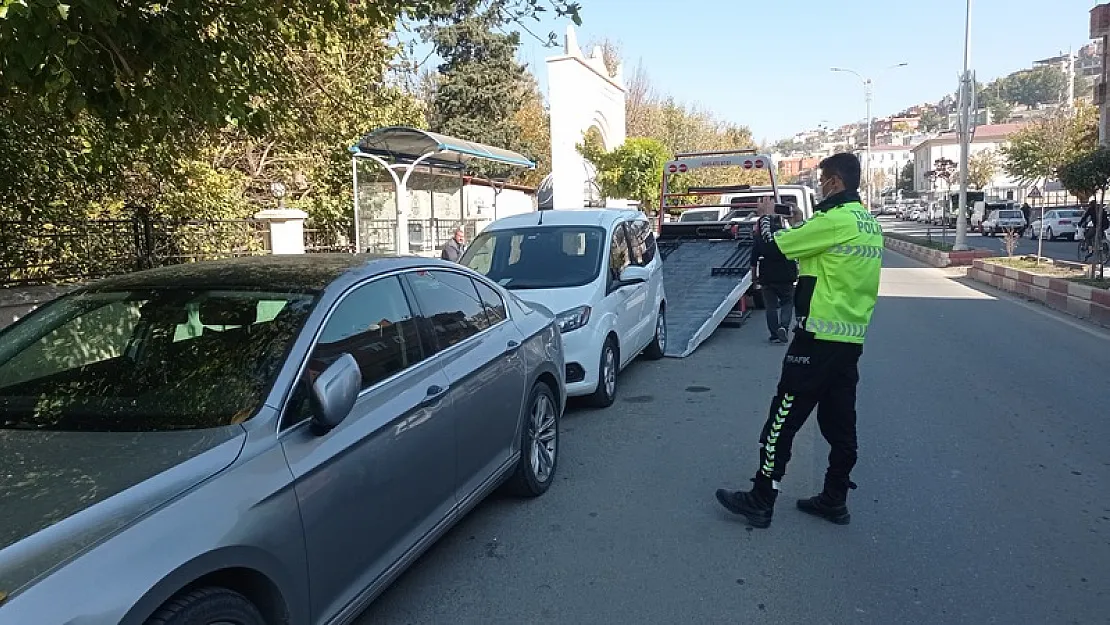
<point x="425" y="235"/>
<point x="37" y="252"/>
<point x="328" y="238"/>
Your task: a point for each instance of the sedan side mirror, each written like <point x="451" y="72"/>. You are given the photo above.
<point x="634" y="275"/>
<point x="334" y="393"/>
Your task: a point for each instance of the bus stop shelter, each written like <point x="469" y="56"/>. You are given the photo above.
<point x="401" y="150"/>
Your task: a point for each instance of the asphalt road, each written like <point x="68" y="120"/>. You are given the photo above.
<point x="984" y="488"/>
<point x="1061" y="249"/>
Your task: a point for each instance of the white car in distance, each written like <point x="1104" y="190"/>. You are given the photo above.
<point x="599" y="271"/>
<point x="1056" y="223"/>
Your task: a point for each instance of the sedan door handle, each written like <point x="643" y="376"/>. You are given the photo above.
<point x="435" y="393"/>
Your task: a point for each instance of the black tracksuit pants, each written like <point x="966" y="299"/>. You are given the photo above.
<point x="822" y="375"/>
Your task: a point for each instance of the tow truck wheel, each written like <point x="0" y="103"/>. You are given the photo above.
<point x="606" y="392"/>
<point x="658" y="345"/>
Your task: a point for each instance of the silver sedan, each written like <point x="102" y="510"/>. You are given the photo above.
<point x="264" y="440"/>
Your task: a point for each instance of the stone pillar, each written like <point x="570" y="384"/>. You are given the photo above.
<point x="286" y="229"/>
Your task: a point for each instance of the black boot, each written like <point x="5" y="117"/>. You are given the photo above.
<point x="757" y="505"/>
<point x="831" y="504"/>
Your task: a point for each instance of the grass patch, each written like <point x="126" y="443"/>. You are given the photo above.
<point x="922" y="241"/>
<point x="1044" y="268"/>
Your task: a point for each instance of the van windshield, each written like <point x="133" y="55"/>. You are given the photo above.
<point x="541" y="257"/>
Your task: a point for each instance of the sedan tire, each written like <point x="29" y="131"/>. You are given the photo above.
<point x="539" y="445"/>
<point x="205" y="606"/>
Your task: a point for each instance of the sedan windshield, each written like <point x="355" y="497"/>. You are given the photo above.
<point x="542" y="257"/>
<point x="150" y="360"/>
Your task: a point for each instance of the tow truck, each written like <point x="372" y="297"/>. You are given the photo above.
<point x="707" y="264"/>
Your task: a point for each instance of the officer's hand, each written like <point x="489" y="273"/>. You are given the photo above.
<point x="765" y="206"/>
<point x="796" y="215"/>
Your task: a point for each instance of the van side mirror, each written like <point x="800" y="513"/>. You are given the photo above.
<point x="334" y="393"/>
<point x="634" y="274"/>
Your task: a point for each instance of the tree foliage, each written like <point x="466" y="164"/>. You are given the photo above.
<point x="982" y="167"/>
<point x="906" y="178"/>
<point x="480" y="86"/>
<point x="1035" y="152"/>
<point x="634" y="170"/>
<point x="1034" y="87"/>
<point x="1088" y="175"/>
<point x="190" y="106"/>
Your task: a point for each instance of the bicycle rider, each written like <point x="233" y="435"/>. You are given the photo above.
<point x="1090" y="217"/>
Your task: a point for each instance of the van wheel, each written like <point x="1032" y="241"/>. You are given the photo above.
<point x="607" y="370"/>
<point x="207" y="606"/>
<point x="658" y="345"/>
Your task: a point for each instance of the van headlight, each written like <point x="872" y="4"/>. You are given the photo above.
<point x="570" y="320"/>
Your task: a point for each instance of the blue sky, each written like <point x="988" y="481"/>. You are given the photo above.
<point x="766" y="64"/>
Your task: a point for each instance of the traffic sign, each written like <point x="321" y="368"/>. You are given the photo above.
<point x="1034" y="194"/>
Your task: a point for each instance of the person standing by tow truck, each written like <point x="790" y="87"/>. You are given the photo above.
<point x="775" y="276"/>
<point x="840" y="255"/>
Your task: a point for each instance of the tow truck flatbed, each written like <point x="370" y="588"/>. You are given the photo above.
<point x="705" y="279"/>
<point x="706" y="265"/>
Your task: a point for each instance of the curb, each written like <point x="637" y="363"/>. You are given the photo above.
<point x="1071" y="298"/>
<point x="936" y="258"/>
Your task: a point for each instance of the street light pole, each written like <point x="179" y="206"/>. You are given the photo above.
<point x="867" y="97"/>
<point x="867" y="93"/>
<point x="966" y="98"/>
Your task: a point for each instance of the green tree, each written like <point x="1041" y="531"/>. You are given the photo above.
<point x="633" y="171"/>
<point x="534" y="123"/>
<point x="1034" y="87"/>
<point x="1086" y="177"/>
<point x="930" y="120"/>
<point x="1035" y="152"/>
<point x="105" y="104"/>
<point x="481" y="87"/>
<point x="982" y="168"/>
<point x="906" y="178"/>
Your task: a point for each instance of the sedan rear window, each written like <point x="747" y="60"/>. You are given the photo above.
<point x="146" y="360"/>
<point x="1010" y="214"/>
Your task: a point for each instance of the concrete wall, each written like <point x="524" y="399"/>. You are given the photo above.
<point x="581" y="94"/>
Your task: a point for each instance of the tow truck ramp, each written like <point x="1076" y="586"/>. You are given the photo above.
<point x="706" y="265"/>
<point x="704" y="280"/>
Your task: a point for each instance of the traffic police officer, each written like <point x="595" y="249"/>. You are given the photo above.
<point x="839" y="251"/>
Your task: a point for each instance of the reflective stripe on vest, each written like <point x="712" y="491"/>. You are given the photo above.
<point x="865" y="251"/>
<point x="835" y="328"/>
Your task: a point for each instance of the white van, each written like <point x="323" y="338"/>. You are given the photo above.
<point x="599" y="271"/>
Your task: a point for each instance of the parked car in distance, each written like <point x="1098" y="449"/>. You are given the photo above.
<point x="999" y="221"/>
<point x="262" y="440"/>
<point x="599" y="271"/>
<point x="1056" y="223"/>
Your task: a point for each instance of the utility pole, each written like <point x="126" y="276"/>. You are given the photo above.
<point x="1071" y="80"/>
<point x="867" y="97"/>
<point x="867" y="90"/>
<point x="967" y="97"/>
